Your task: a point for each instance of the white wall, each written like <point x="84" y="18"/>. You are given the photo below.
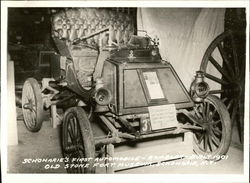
<point x="11" y="106"/>
<point x="184" y="35"/>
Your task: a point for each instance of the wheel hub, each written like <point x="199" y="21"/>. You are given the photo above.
<point x="206" y="126"/>
<point x="28" y="105"/>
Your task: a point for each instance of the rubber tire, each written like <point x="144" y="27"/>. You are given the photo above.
<point x="86" y="132"/>
<point x="226" y="131"/>
<point x="39" y="104"/>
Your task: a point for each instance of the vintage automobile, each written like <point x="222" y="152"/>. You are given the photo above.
<point x="107" y="76"/>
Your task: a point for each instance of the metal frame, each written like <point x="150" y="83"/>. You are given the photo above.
<point x="117" y="137"/>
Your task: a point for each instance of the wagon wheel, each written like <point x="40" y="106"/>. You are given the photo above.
<point x="226" y="56"/>
<point x="78" y="141"/>
<point x="32" y="105"/>
<point x="214" y="140"/>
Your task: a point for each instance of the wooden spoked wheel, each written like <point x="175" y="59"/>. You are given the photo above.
<point x="214" y="140"/>
<point x="78" y="142"/>
<point x="32" y="105"/>
<point x="224" y="66"/>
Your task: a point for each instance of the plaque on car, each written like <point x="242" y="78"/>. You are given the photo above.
<point x="162" y="116"/>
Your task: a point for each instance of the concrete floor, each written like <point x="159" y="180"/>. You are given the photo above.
<point x="46" y="144"/>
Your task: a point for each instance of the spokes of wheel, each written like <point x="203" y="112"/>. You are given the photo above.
<point x="208" y="140"/>
<point x="32" y="105"/>
<point x="223" y="65"/>
<point x="78" y="141"/>
<point x="29" y="106"/>
<point x="213" y="117"/>
<point x="74" y="145"/>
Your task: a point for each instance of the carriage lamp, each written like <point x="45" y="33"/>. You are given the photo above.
<point x="199" y="88"/>
<point x="102" y="96"/>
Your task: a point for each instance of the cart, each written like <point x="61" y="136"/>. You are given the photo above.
<point x="108" y="77"/>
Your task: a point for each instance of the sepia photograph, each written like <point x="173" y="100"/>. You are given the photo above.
<point x="125" y="90"/>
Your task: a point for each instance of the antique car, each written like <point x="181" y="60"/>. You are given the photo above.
<point x="109" y="77"/>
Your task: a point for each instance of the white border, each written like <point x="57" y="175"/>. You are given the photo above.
<point x="37" y="178"/>
<point x="131" y="3"/>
